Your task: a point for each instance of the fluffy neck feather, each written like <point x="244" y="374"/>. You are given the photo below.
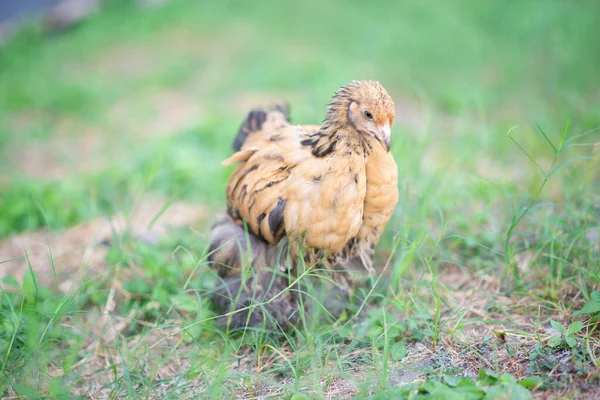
<point x="337" y="127"/>
<point x="337" y="111"/>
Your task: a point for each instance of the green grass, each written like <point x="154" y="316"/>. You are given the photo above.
<point x="495" y="234"/>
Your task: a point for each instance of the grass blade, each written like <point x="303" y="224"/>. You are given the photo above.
<point x="548" y="139"/>
<point x="524" y="151"/>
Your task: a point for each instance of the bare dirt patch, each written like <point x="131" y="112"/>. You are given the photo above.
<point x="80" y="251"/>
<point x="61" y="154"/>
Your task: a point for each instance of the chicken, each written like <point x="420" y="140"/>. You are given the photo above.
<point x="311" y="182"/>
<point x="324" y="193"/>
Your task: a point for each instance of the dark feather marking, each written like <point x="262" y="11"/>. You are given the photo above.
<point x="318" y="134"/>
<point x="317" y="178"/>
<point x="268" y="185"/>
<point x="252" y="168"/>
<point x="286" y="168"/>
<point x="363" y="146"/>
<point x="252" y="123"/>
<point x="261" y="217"/>
<point x="241" y="178"/>
<point x="259" y="220"/>
<point x="366" y="146"/>
<point x="355" y="178"/>
<point x="233" y="212"/>
<point x="307" y="142"/>
<point x="276" y="216"/>
<point x="322" y="151"/>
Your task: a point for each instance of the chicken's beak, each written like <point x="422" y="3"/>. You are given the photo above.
<point x="384" y="135"/>
<point x="386" y="142"/>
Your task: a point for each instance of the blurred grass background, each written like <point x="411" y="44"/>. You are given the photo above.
<point x="144" y="98"/>
<point x="149" y="97"/>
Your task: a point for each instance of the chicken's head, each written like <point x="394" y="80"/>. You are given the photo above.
<point x="367" y="107"/>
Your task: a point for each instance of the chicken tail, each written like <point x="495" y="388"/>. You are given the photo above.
<point x="256" y="120"/>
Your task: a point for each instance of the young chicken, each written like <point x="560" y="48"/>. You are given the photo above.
<point x="314" y="184"/>
<point x="322" y="192"/>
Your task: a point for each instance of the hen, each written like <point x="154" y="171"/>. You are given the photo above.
<point x="324" y="193"/>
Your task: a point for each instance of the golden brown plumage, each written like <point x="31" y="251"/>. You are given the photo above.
<point x="380" y="200"/>
<point x="315" y="183"/>
<point x="325" y="192"/>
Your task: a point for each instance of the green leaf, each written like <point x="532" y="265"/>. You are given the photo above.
<point x="299" y="396"/>
<point x="468" y="392"/>
<point x="398" y="351"/>
<point x="486" y="377"/>
<point x="451" y="380"/>
<point x="466" y="383"/>
<point x="138" y="286"/>
<point x="57" y="389"/>
<point x="531" y="381"/>
<point x="596" y="296"/>
<point x="575" y="327"/>
<point x="375" y="331"/>
<point x="591" y="307"/>
<point x="558" y="326"/>
<point x="193" y="331"/>
<point x="508" y="378"/>
<point x="440" y="391"/>
<point x="555" y="341"/>
<point x="26" y="391"/>
<point x="10" y="281"/>
<point x="511" y="391"/>
<point x="186" y="303"/>
<point x="570" y="341"/>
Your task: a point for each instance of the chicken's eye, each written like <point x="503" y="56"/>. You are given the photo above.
<point x="368" y="115"/>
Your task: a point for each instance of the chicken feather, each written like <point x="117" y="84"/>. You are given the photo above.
<point x="311" y="182"/>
